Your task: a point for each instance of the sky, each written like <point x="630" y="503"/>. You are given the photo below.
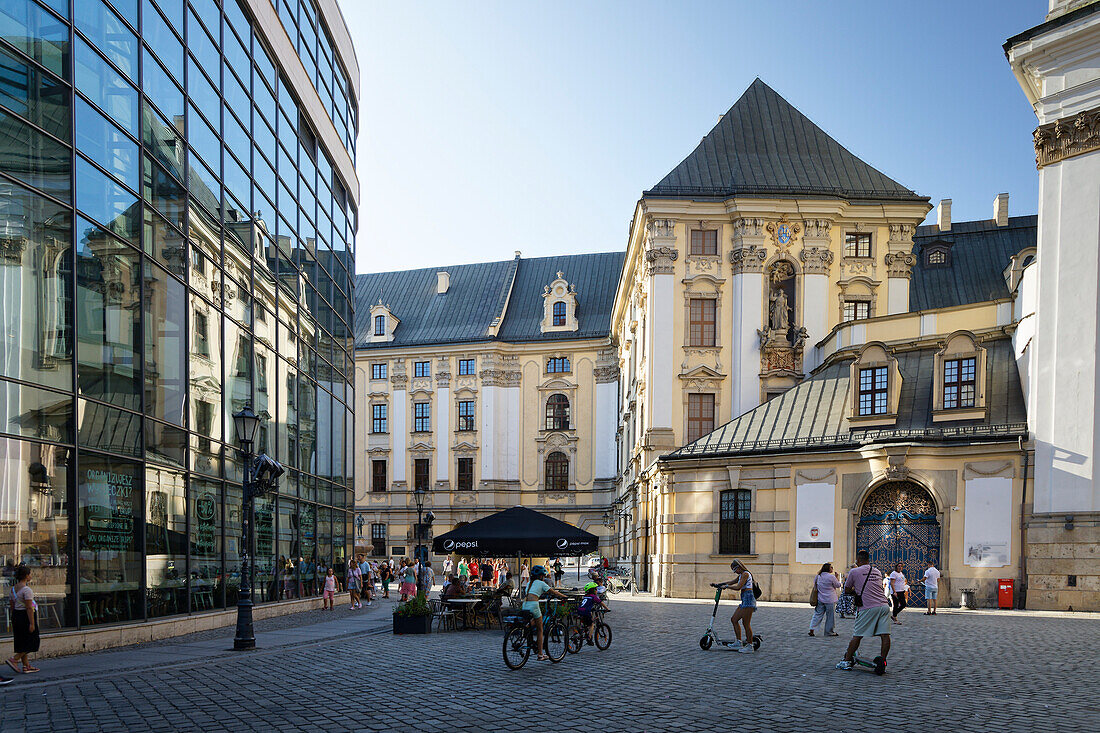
<point x="491" y="127"/>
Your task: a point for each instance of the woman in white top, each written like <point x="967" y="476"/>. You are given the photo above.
<point x="828" y="583"/>
<point x="899" y="589"/>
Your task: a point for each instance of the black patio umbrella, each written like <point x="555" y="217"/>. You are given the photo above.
<point x="517" y="531"/>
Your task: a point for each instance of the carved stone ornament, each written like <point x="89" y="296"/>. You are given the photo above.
<point x="1067" y="137"/>
<point x="748" y="259"/>
<point x="659" y="260"/>
<point x="747" y="227"/>
<point x="900" y="264"/>
<point x="12" y="248"/>
<point x="784" y="233"/>
<point x="817" y="228"/>
<point x="605" y="374"/>
<point x="897" y="472"/>
<point x="901" y="235"/>
<point x="661" y="229"/>
<point x="816" y="260"/>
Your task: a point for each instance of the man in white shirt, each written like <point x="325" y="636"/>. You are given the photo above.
<point x="931" y="587"/>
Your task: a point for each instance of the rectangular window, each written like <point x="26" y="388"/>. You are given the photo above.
<point x="959" y="384"/>
<point x="700" y="415"/>
<point x="378" y="475"/>
<point x="701" y="322"/>
<point x="202" y="334"/>
<point x="873" y="383"/>
<point x="856" y="310"/>
<point x="420" y="474"/>
<point x="377" y="371"/>
<point x="378" y="419"/>
<point x="421" y="369"/>
<point x="857" y="244"/>
<point x="733" y="522"/>
<point x="704" y="241"/>
<point x="558" y="365"/>
<point x="465" y="474"/>
<point x="378" y="540"/>
<point x="559" y="314"/>
<point x="466" y="367"/>
<point x="466" y="415"/>
<point x="422" y="417"/>
<point x="379" y="325"/>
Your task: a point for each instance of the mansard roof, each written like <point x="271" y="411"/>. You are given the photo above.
<point x="479" y="293"/>
<point x="813" y="415"/>
<point x="974" y="273"/>
<point x="764" y="146"/>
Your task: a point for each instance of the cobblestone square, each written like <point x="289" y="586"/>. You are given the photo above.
<point x="957" y="671"/>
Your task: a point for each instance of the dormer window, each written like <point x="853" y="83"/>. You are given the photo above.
<point x="559" y="306"/>
<point x="559" y="313"/>
<point x="939" y="257"/>
<point x="379" y="325"/>
<point x="873" y="390"/>
<point x="959" y="385"/>
<point x="385" y="323"/>
<point x="937" y="254"/>
<point x="877" y="388"/>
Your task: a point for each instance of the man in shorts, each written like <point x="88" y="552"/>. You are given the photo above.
<point x="931" y="587"/>
<point x="873" y="615"/>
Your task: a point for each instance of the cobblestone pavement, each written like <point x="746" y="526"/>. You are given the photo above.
<point x="950" y="672"/>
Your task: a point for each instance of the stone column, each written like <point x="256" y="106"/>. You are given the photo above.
<point x="747" y="295"/>
<point x="817" y="260"/>
<point x="660" y="256"/>
<point x="899" y="267"/>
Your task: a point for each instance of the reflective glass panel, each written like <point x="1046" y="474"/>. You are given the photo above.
<point x="307" y="542"/>
<point x="107" y="428"/>
<point x="156" y="32"/>
<point x="160" y="88"/>
<point x="37" y="282"/>
<point x="165" y="243"/>
<point x="264" y="587"/>
<point x="36" y="33"/>
<point x="109" y="34"/>
<point x="34" y="158"/>
<point x="164" y="192"/>
<point x="205" y="358"/>
<point x="234" y="498"/>
<point x="287" y="548"/>
<point x="108" y="203"/>
<point x="107" y="88"/>
<point x="36" y="96"/>
<point x="207" y="579"/>
<point x="35" y="413"/>
<point x="165" y="444"/>
<point x="107" y="145"/>
<point x="108" y="510"/>
<point x="165" y="542"/>
<point x="165" y="345"/>
<point x="108" y="308"/>
<point x="34" y="489"/>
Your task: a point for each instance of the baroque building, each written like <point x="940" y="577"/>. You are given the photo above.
<point x="486" y="386"/>
<point x="177" y="220"/>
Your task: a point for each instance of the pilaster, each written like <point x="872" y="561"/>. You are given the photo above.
<point x="747" y="256"/>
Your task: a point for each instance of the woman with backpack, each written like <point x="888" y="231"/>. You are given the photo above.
<point x="824" y="596"/>
<point x="743" y="614"/>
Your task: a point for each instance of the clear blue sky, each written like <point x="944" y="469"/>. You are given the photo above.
<point x="487" y="127"/>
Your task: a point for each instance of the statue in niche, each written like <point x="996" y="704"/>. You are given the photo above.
<point x="779" y="318"/>
<point x="780" y="299"/>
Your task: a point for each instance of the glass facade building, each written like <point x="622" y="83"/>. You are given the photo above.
<point x="176" y="240"/>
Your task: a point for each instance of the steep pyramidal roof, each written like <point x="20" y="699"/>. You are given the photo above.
<point x="764" y="146"/>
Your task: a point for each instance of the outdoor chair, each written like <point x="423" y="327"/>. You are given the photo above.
<point x="442" y="616"/>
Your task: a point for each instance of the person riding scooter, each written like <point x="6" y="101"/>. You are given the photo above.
<point x="743" y="614"/>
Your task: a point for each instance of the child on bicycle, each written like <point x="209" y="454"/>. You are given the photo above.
<point x="535" y="590"/>
<point x="589" y="603"/>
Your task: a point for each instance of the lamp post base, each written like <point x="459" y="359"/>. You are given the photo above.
<point x="245" y="637"/>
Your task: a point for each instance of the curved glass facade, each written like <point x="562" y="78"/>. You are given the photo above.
<point x="174" y="243"/>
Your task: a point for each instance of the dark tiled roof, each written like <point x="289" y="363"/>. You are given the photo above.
<point x="477" y="295"/>
<point x="814" y="414"/>
<point x="764" y="146"/>
<point x="979" y="253"/>
<point x="595" y="277"/>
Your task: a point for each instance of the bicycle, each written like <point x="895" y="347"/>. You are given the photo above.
<point x="601" y="634"/>
<point x="522" y="637"/>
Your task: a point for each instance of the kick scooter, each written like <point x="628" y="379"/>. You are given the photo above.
<point x="878" y="664"/>
<point x="711" y="637"/>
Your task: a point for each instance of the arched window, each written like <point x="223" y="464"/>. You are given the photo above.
<point x="559" y="313"/>
<point x="557" y="412"/>
<point x="557" y="472"/>
<point x="379" y="325"/>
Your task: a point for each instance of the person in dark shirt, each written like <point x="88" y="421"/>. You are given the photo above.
<point x="589" y="603"/>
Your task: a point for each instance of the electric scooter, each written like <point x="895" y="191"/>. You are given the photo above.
<point x="878" y="664"/>
<point x="711" y="637"/>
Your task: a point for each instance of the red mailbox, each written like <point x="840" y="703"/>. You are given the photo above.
<point x="1004" y="592"/>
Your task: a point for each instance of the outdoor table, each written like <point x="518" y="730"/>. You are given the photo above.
<point x="465" y="605"/>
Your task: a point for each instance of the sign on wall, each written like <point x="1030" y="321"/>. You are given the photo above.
<point x="987" y="526"/>
<point x="814" y="505"/>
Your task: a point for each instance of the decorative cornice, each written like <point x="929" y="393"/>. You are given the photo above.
<point x="664" y="229"/>
<point x="748" y="259"/>
<point x="816" y="228"/>
<point x="500" y="378"/>
<point x="747" y="227"/>
<point x="901" y="236"/>
<point x="659" y="260"/>
<point x="816" y="260"/>
<point x="605" y="374"/>
<point x="1066" y="138"/>
<point x="900" y="264"/>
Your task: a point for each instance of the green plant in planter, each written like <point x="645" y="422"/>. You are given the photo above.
<point x="415" y="607"/>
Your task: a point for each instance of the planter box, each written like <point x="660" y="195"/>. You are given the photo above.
<point x="412" y="624"/>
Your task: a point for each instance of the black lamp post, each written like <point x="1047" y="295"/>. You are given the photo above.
<point x="260" y="474"/>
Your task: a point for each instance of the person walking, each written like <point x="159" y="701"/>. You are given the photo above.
<point x="873" y="611"/>
<point x="743" y="614"/>
<point x="429" y="577"/>
<point x="355" y="581"/>
<point x="386" y="577"/>
<point x="899" y="591"/>
<point x="331" y="586"/>
<point x="475" y="571"/>
<point x="448" y="566"/>
<point x="524" y="575"/>
<point x="931" y="587"/>
<point x="408" y="580"/>
<point x="24" y="621"/>
<point x="827" y="583"/>
<point x="463" y="569"/>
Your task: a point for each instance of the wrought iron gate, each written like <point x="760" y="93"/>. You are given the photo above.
<point x="898" y="524"/>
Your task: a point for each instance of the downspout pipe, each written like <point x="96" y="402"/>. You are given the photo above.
<point x="1021" y="597"/>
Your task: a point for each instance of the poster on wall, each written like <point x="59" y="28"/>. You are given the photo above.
<point x="987" y="527"/>
<point x="814" y="523"/>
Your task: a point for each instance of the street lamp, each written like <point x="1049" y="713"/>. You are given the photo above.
<point x="418" y="496"/>
<point x="260" y="476"/>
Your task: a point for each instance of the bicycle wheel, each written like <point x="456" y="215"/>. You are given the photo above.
<point x="576" y="638"/>
<point x="603" y="636"/>
<point x="556" y="638"/>
<point x="516" y="650"/>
